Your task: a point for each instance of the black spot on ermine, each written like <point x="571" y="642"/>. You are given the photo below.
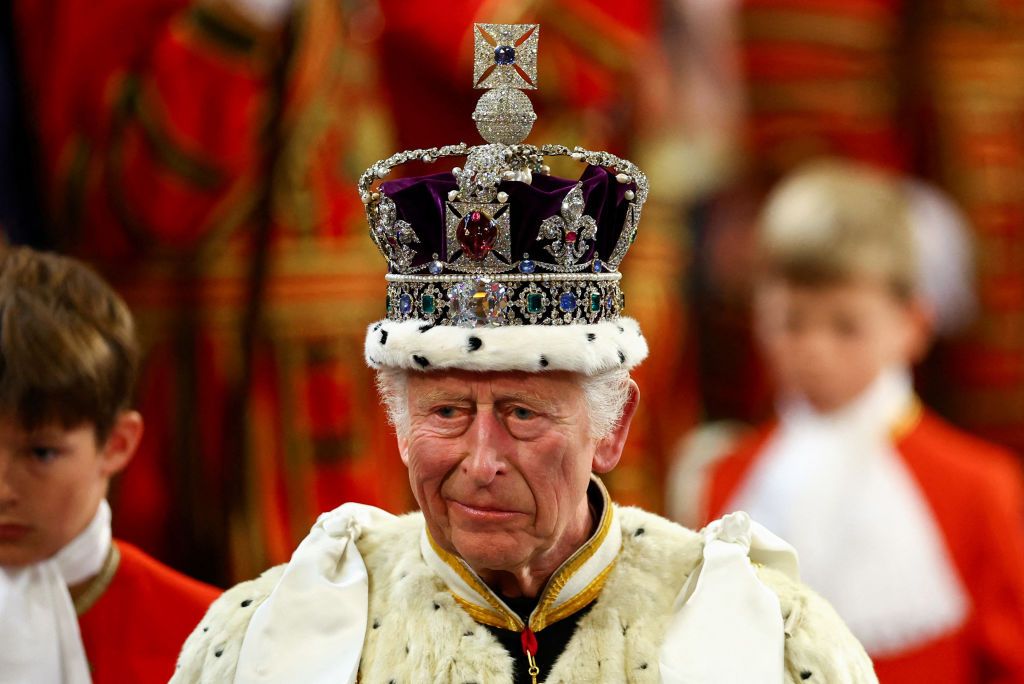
<point x="420" y="360"/>
<point x="474" y="343"/>
<point x="383" y="337"/>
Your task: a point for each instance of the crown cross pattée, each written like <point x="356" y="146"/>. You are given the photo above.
<point x="505" y="64"/>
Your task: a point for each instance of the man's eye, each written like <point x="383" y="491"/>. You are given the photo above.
<point x="521" y="413"/>
<point x="44" y="454"/>
<point x="447" y="412"/>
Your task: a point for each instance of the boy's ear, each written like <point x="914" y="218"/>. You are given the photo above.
<point x="921" y="328"/>
<point x="122" y="441"/>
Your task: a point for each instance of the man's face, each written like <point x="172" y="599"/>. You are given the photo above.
<point x="828" y="344"/>
<point x="500" y="464"/>
<point x="51" y="482"/>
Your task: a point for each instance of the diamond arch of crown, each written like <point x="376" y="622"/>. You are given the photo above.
<point x="532" y="156"/>
<point x="625" y="170"/>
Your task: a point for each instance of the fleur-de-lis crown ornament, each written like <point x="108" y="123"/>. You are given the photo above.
<point x="496" y="264"/>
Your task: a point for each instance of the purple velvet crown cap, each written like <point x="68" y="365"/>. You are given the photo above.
<point x="421" y="201"/>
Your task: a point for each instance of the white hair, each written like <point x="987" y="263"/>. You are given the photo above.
<point x="604" y="395"/>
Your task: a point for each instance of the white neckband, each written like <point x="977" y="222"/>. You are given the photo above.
<point x="38" y="625"/>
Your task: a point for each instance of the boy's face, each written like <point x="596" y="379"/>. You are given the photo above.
<point x="51" y="482"/>
<point x="829" y="343"/>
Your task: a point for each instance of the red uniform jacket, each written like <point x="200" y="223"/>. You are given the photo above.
<point x="134" y="631"/>
<point x="975" y="491"/>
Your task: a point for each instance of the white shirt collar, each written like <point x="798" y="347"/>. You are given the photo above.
<point x="834" y="486"/>
<point x="38" y="624"/>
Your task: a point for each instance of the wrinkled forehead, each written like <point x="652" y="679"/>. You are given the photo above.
<point x="555" y="386"/>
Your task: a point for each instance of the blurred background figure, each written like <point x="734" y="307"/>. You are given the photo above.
<point x="910" y="528"/>
<point x="929" y="89"/>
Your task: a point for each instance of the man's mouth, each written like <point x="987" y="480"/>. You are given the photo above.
<point x="481" y="511"/>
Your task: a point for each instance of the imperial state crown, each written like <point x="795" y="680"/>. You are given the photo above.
<point x="497" y="264"/>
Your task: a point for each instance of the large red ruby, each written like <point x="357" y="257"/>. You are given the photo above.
<point x="476" y="234"/>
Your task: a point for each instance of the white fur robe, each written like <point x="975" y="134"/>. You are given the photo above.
<point x="417" y="633"/>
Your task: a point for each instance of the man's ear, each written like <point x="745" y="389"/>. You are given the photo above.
<point x="403" y="448"/>
<point x="609" y="449"/>
<point x="122" y="441"/>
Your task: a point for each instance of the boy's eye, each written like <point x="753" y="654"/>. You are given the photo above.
<point x="791" y="322"/>
<point x="845" y="327"/>
<point x="44" y="454"/>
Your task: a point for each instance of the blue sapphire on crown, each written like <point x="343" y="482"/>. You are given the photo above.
<point x="505" y="55"/>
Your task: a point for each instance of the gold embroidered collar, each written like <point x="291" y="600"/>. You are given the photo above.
<point x="98" y="585"/>
<point x="574" y="585"/>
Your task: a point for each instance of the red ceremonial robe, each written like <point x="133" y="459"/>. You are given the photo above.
<point x="975" y="492"/>
<point x="134" y="631"/>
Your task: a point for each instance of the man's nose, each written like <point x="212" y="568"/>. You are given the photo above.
<point x="485" y="462"/>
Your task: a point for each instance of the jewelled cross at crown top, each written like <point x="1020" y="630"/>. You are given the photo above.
<point x="505" y="64"/>
<point x="505" y="55"/>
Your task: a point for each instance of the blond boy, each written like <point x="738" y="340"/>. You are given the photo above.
<point x="911" y="528"/>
